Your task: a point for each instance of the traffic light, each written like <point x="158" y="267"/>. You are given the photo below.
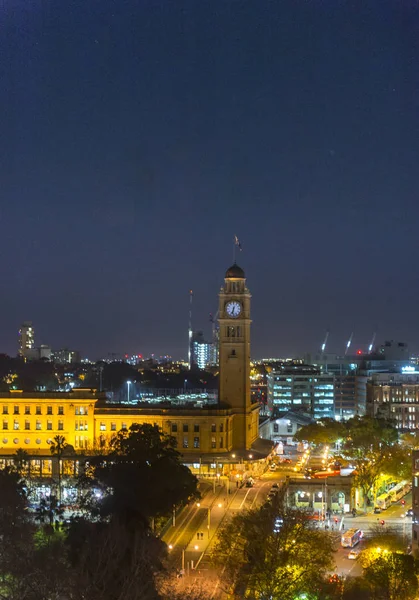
<point x="382" y="522"/>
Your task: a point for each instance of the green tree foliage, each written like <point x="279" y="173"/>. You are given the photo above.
<point x="390" y="575"/>
<point x="368" y="444"/>
<point x="398" y="465"/>
<point x="323" y="431"/>
<point x="141" y="476"/>
<point x="273" y="553"/>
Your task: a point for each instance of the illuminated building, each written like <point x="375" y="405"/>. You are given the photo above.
<point x="200" y="350"/>
<point x="31" y="420"/>
<point x="66" y="356"/>
<point x="302" y="388"/>
<point x="395" y="396"/>
<point x="26" y="338"/>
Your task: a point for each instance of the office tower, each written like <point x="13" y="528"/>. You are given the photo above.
<point x="26" y="338"/>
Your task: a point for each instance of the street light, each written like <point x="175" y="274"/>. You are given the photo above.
<point x="128" y="384"/>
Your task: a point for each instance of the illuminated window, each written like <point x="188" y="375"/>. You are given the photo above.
<point x="196" y="442"/>
<point x="113" y="426"/>
<point x="38" y="425"/>
<point x="213" y="442"/>
<point x="185" y="442"/>
<point x="124" y="426"/>
<point x="27" y="425"/>
<point x="213" y="428"/>
<point x="16" y="410"/>
<point x="49" y="425"/>
<point x="60" y="425"/>
<point x="15" y="424"/>
<point x="102" y="427"/>
<point x="27" y="410"/>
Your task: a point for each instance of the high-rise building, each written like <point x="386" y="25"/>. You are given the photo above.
<point x="26" y="338"/>
<point x="200" y="350"/>
<point x="303" y="388"/>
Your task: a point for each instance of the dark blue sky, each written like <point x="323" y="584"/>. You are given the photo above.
<point x="136" y="138"/>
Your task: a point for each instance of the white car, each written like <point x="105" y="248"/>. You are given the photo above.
<point x="353" y="554"/>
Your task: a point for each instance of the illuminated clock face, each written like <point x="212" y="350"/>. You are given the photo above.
<point x="233" y="309"/>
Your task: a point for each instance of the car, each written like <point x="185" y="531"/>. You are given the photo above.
<point x="377" y="510"/>
<point x="287" y="461"/>
<point x="272" y="493"/>
<point x="275" y="486"/>
<point x="250" y="483"/>
<point x="353" y="554"/>
<point x="408" y="513"/>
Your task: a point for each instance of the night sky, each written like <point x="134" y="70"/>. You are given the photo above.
<point x="137" y="137"/>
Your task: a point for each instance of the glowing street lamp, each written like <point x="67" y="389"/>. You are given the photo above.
<point x="128" y="386"/>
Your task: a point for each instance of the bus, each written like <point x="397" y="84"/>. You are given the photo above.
<point x="384" y="500"/>
<point x="324" y="474"/>
<point x="400" y="490"/>
<point x="351" y="538"/>
<point x="393" y="495"/>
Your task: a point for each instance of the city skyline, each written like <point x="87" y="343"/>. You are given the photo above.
<point x="138" y="140"/>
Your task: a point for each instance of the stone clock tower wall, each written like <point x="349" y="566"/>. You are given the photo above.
<point x="234" y="357"/>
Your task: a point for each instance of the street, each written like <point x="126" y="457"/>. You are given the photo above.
<point x="191" y="539"/>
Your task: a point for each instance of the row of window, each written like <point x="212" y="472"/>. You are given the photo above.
<point x="185" y="428"/>
<point x="196" y="442"/>
<point x="79" y="410"/>
<point x="38" y="425"/>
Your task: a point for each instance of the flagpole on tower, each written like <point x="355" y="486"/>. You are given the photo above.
<point x="236" y="244"/>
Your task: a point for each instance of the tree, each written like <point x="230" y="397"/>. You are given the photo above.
<point x="323" y="431"/>
<point x="390" y="575"/>
<point x="20" y="461"/>
<point x="141" y="477"/>
<point x="57" y="449"/>
<point x="109" y="561"/>
<point x="368" y="444"/>
<point x="273" y="553"/>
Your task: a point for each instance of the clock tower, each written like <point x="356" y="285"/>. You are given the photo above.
<point x="234" y="357"/>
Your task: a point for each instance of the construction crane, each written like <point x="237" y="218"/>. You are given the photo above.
<point x="215" y="335"/>
<point x="371" y="346"/>
<point x="325" y="341"/>
<point x="348" y="343"/>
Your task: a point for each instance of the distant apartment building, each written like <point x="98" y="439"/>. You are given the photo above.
<point x="201" y="351"/>
<point x="64" y="356"/>
<point x="395" y="396"/>
<point x="302" y="388"/>
<point x="26" y="339"/>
